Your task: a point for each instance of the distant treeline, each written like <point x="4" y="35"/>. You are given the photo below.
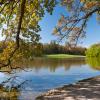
<point x="54" y="48"/>
<point x="30" y="50"/>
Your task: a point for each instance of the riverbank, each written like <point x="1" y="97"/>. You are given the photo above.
<point x="63" y="56"/>
<point x="88" y="89"/>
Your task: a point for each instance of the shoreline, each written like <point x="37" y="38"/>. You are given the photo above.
<point x="86" y="89"/>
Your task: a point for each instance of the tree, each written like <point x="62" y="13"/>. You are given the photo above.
<point x="19" y="22"/>
<point x="93" y="51"/>
<point x="72" y="27"/>
<point x="51" y="48"/>
<point x="54" y="48"/>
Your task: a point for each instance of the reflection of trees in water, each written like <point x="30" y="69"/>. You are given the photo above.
<point x="37" y="64"/>
<point x="6" y="94"/>
<point x="10" y="89"/>
<point x="46" y="63"/>
<point x="51" y="64"/>
<point x="94" y="62"/>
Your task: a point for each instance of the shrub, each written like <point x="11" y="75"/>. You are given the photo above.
<point x="93" y="51"/>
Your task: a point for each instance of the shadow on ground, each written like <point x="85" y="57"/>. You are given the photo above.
<point x="88" y="89"/>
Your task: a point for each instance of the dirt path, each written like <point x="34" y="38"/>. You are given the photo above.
<point x="88" y="89"/>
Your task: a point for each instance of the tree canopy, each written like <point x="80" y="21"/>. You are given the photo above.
<point x="93" y="51"/>
<point x="19" y="22"/>
<point x="71" y="26"/>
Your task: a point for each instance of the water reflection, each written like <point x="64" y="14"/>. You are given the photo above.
<point x="46" y="63"/>
<point x="6" y="94"/>
<point x="51" y="64"/>
<point x="44" y="74"/>
<point x="94" y="62"/>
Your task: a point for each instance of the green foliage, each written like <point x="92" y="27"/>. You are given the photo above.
<point x="94" y="62"/>
<point x="19" y="21"/>
<point x="54" y="48"/>
<point x="93" y="51"/>
<point x="93" y="56"/>
<point x="29" y="50"/>
<point x="34" y="11"/>
<point x="38" y="50"/>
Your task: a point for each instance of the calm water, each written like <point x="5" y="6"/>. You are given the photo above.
<point x="42" y="74"/>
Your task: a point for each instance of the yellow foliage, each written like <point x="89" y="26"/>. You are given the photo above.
<point x="4" y="56"/>
<point x="90" y="4"/>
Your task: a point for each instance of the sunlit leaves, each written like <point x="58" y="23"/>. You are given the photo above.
<point x="67" y="3"/>
<point x="71" y="26"/>
<point x="94" y="51"/>
<point x="94" y="62"/>
<point x="7" y="51"/>
<point x="93" y="56"/>
<point x="21" y="24"/>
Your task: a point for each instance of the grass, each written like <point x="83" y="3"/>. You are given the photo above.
<point x="62" y="56"/>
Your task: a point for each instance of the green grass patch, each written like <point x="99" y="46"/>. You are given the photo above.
<point x="62" y="56"/>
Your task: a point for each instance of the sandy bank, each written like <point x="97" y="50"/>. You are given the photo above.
<point x="88" y="89"/>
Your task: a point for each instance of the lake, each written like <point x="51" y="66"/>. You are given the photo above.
<point x="42" y="74"/>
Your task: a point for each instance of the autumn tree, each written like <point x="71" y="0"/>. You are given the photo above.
<point x="54" y="48"/>
<point x="71" y="26"/>
<point x="19" y="22"/>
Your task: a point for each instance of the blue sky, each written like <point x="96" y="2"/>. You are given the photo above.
<point x="50" y="21"/>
